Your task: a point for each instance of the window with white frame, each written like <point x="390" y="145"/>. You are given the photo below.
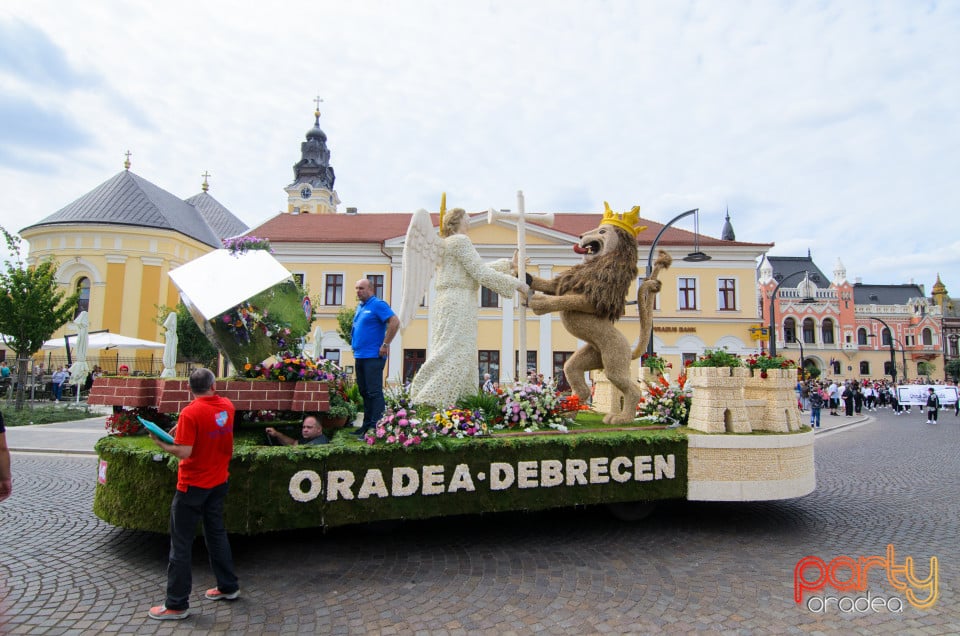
<point x="333" y="289"/>
<point x="687" y="294"/>
<point x="726" y="294"/>
<point x="376" y="282"/>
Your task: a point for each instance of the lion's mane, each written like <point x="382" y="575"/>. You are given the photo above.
<point x="605" y="279"/>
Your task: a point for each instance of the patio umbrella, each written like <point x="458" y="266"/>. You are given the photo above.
<point x="79" y="369"/>
<point x="170" y="349"/>
<point x="105" y="340"/>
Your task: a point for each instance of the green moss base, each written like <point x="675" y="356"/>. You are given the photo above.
<point x="461" y="477"/>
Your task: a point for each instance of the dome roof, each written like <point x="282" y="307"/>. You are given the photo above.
<point x="128" y="199"/>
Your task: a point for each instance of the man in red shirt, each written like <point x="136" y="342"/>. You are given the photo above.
<point x="203" y="441"/>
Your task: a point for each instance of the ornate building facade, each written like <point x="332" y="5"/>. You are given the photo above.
<point x="849" y="330"/>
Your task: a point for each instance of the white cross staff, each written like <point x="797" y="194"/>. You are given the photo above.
<point x="519" y="216"/>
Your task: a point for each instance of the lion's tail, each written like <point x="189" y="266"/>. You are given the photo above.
<point x="645" y="296"/>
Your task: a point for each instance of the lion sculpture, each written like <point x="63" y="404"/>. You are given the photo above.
<point x="591" y="298"/>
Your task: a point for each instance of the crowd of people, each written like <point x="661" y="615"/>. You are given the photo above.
<point x="856" y="396"/>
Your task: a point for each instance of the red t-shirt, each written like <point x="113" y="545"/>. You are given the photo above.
<point x="207" y="425"/>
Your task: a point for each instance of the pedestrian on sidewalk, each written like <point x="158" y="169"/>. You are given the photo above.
<point x="816" y="403"/>
<point x="6" y="479"/>
<point x="203" y="441"/>
<point x="833" y="392"/>
<point x="847" y="396"/>
<point x="933" y="406"/>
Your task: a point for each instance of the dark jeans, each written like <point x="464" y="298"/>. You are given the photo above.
<point x="187" y="509"/>
<point x="370" y="383"/>
<point x="57" y="391"/>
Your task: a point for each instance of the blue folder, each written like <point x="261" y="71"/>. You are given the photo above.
<point x="156" y="430"/>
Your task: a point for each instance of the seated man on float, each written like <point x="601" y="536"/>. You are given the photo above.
<point x="311" y="433"/>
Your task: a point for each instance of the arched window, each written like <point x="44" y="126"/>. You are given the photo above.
<point x="809" y="330"/>
<point x="927" y="336"/>
<point x="861" y="336"/>
<point x="826" y="331"/>
<point x="885" y="337"/>
<point x="864" y="368"/>
<point x="789" y="330"/>
<point x="83" y="288"/>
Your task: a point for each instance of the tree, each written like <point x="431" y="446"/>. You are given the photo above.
<point x="953" y="369"/>
<point x="345" y="323"/>
<point x="32" y="306"/>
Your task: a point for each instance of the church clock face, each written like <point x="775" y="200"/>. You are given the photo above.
<point x="306" y="192"/>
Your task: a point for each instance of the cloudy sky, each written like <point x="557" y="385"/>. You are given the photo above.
<point x="829" y="126"/>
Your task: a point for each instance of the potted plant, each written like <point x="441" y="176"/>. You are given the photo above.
<point x="341" y="411"/>
<point x="766" y="362"/>
<point x="717" y="358"/>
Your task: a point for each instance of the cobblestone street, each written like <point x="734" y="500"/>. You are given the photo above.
<point x="689" y="568"/>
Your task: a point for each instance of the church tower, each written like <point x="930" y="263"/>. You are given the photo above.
<point x="312" y="189"/>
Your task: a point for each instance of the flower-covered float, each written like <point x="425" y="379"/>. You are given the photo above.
<point x="527" y="448"/>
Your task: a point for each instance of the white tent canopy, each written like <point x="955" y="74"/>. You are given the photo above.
<point x="104" y="341"/>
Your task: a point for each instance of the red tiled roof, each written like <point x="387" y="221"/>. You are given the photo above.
<point x="377" y="227"/>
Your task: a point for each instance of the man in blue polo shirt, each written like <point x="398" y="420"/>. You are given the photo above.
<point x="374" y="327"/>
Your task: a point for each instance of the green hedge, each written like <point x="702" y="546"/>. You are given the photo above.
<point x="138" y="488"/>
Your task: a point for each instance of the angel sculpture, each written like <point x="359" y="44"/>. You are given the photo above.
<point x="450" y="371"/>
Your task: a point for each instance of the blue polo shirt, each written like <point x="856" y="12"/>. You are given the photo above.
<point x="370" y="327"/>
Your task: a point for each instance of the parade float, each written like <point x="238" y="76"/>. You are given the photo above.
<point x="723" y="431"/>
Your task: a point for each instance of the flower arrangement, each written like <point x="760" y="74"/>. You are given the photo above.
<point x="571" y="404"/>
<point x="293" y="368"/>
<point x="665" y="403"/>
<point x="397" y="397"/>
<point x="531" y="407"/>
<point x="399" y="427"/>
<point x="459" y="423"/>
<point x="765" y="362"/>
<point x="241" y="244"/>
<point x="717" y="358"/>
<point x="654" y="362"/>
<point x="245" y="319"/>
<point x="125" y="422"/>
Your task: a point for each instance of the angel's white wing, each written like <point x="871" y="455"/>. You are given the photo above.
<point x="421" y="251"/>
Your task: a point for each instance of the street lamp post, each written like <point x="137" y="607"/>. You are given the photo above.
<point x="893" y="352"/>
<point x="773" y="311"/>
<point x="695" y="256"/>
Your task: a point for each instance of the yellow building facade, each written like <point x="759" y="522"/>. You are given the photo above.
<point x="116" y="245"/>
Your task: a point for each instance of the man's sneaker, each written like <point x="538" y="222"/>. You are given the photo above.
<point x="929" y="422"/>
<point x="161" y="613"/>
<point x="214" y="594"/>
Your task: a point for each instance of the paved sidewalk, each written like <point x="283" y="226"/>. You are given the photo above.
<point x="74" y="437"/>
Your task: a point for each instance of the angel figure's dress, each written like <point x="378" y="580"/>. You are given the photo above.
<point x="451" y="367"/>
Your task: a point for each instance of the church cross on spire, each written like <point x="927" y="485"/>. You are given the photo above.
<point x="316" y="113"/>
<point x="126" y="163"/>
<point x="205" y="186"/>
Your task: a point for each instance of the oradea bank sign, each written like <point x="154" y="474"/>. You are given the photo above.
<point x="850" y="578"/>
<point x="427" y="480"/>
